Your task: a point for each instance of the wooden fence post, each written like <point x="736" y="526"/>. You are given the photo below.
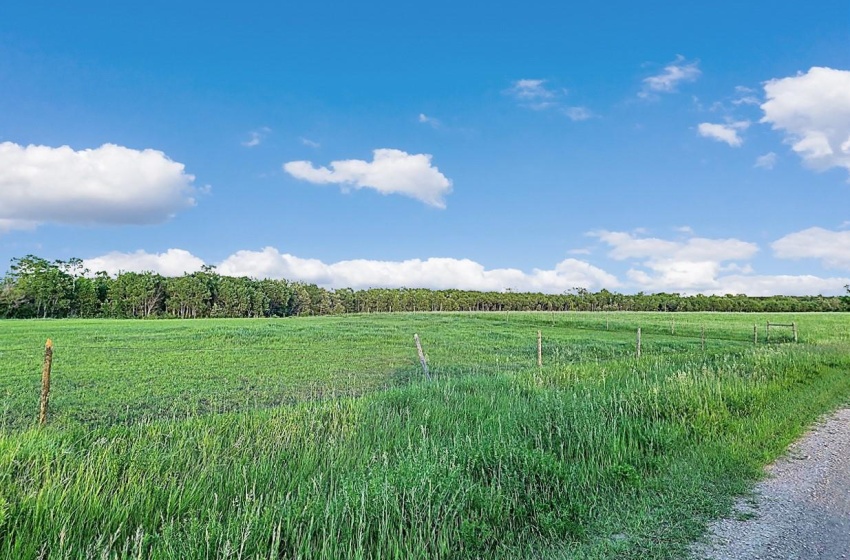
<point x="539" y="349"/>
<point x="755" y="334"/>
<point x="45" y="382"/>
<point x="768" y="331"/>
<point x="702" y="337"/>
<point x="638" y="342"/>
<point x="672" y="326"/>
<point x="422" y="356"/>
<point x="794" y="327"/>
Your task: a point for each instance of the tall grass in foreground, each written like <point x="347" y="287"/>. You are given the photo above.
<point x="616" y="459"/>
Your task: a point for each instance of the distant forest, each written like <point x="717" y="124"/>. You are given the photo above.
<point x="35" y="287"/>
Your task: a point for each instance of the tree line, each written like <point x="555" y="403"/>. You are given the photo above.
<point x="36" y="287"/>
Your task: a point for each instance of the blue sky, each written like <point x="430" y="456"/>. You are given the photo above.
<point x="654" y="146"/>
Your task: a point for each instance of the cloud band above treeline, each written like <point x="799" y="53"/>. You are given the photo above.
<point x="688" y="266"/>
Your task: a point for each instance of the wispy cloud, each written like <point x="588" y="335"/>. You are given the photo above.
<point x="256" y="137"/>
<point x="538" y="96"/>
<point x="578" y="113"/>
<point x="310" y="143"/>
<point x="677" y="72"/>
<point x="430" y="121"/>
<point x="745" y="96"/>
<point x="767" y="161"/>
<point x="534" y="92"/>
<point x="7" y="225"/>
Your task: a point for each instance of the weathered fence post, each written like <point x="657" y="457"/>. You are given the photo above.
<point x="45" y="382"/>
<point x="672" y="326"/>
<point x="768" y="331"/>
<point x="422" y="356"/>
<point x="794" y="327"/>
<point x="638" y="342"/>
<point x="539" y="349"/>
<point x="755" y="334"/>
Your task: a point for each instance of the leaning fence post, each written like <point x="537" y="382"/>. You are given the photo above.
<point x="638" y="342"/>
<point x="45" y="382"/>
<point x="539" y="349"/>
<point x="422" y="356"/>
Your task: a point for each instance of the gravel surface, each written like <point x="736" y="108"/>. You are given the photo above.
<point x="801" y="511"/>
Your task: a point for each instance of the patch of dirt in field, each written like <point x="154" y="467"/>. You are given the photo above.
<point x="801" y="511"/>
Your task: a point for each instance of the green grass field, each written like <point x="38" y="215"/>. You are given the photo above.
<point x="319" y="437"/>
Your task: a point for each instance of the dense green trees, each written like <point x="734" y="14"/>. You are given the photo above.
<point x="35" y="287"/>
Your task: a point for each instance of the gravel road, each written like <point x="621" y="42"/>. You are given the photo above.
<point x="801" y="511"/>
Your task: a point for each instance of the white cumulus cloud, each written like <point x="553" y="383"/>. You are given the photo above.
<point x="832" y="248"/>
<point x="107" y="185"/>
<point x="390" y="172"/>
<point x="780" y="284"/>
<point x="689" y="266"/>
<point x="173" y="262"/>
<point x="677" y="72"/>
<point x="710" y="266"/>
<point x="727" y="133"/>
<point x="812" y="110"/>
<point x="436" y="273"/>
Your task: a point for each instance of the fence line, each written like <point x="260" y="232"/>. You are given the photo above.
<point x="385" y="362"/>
<point x="33" y="350"/>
